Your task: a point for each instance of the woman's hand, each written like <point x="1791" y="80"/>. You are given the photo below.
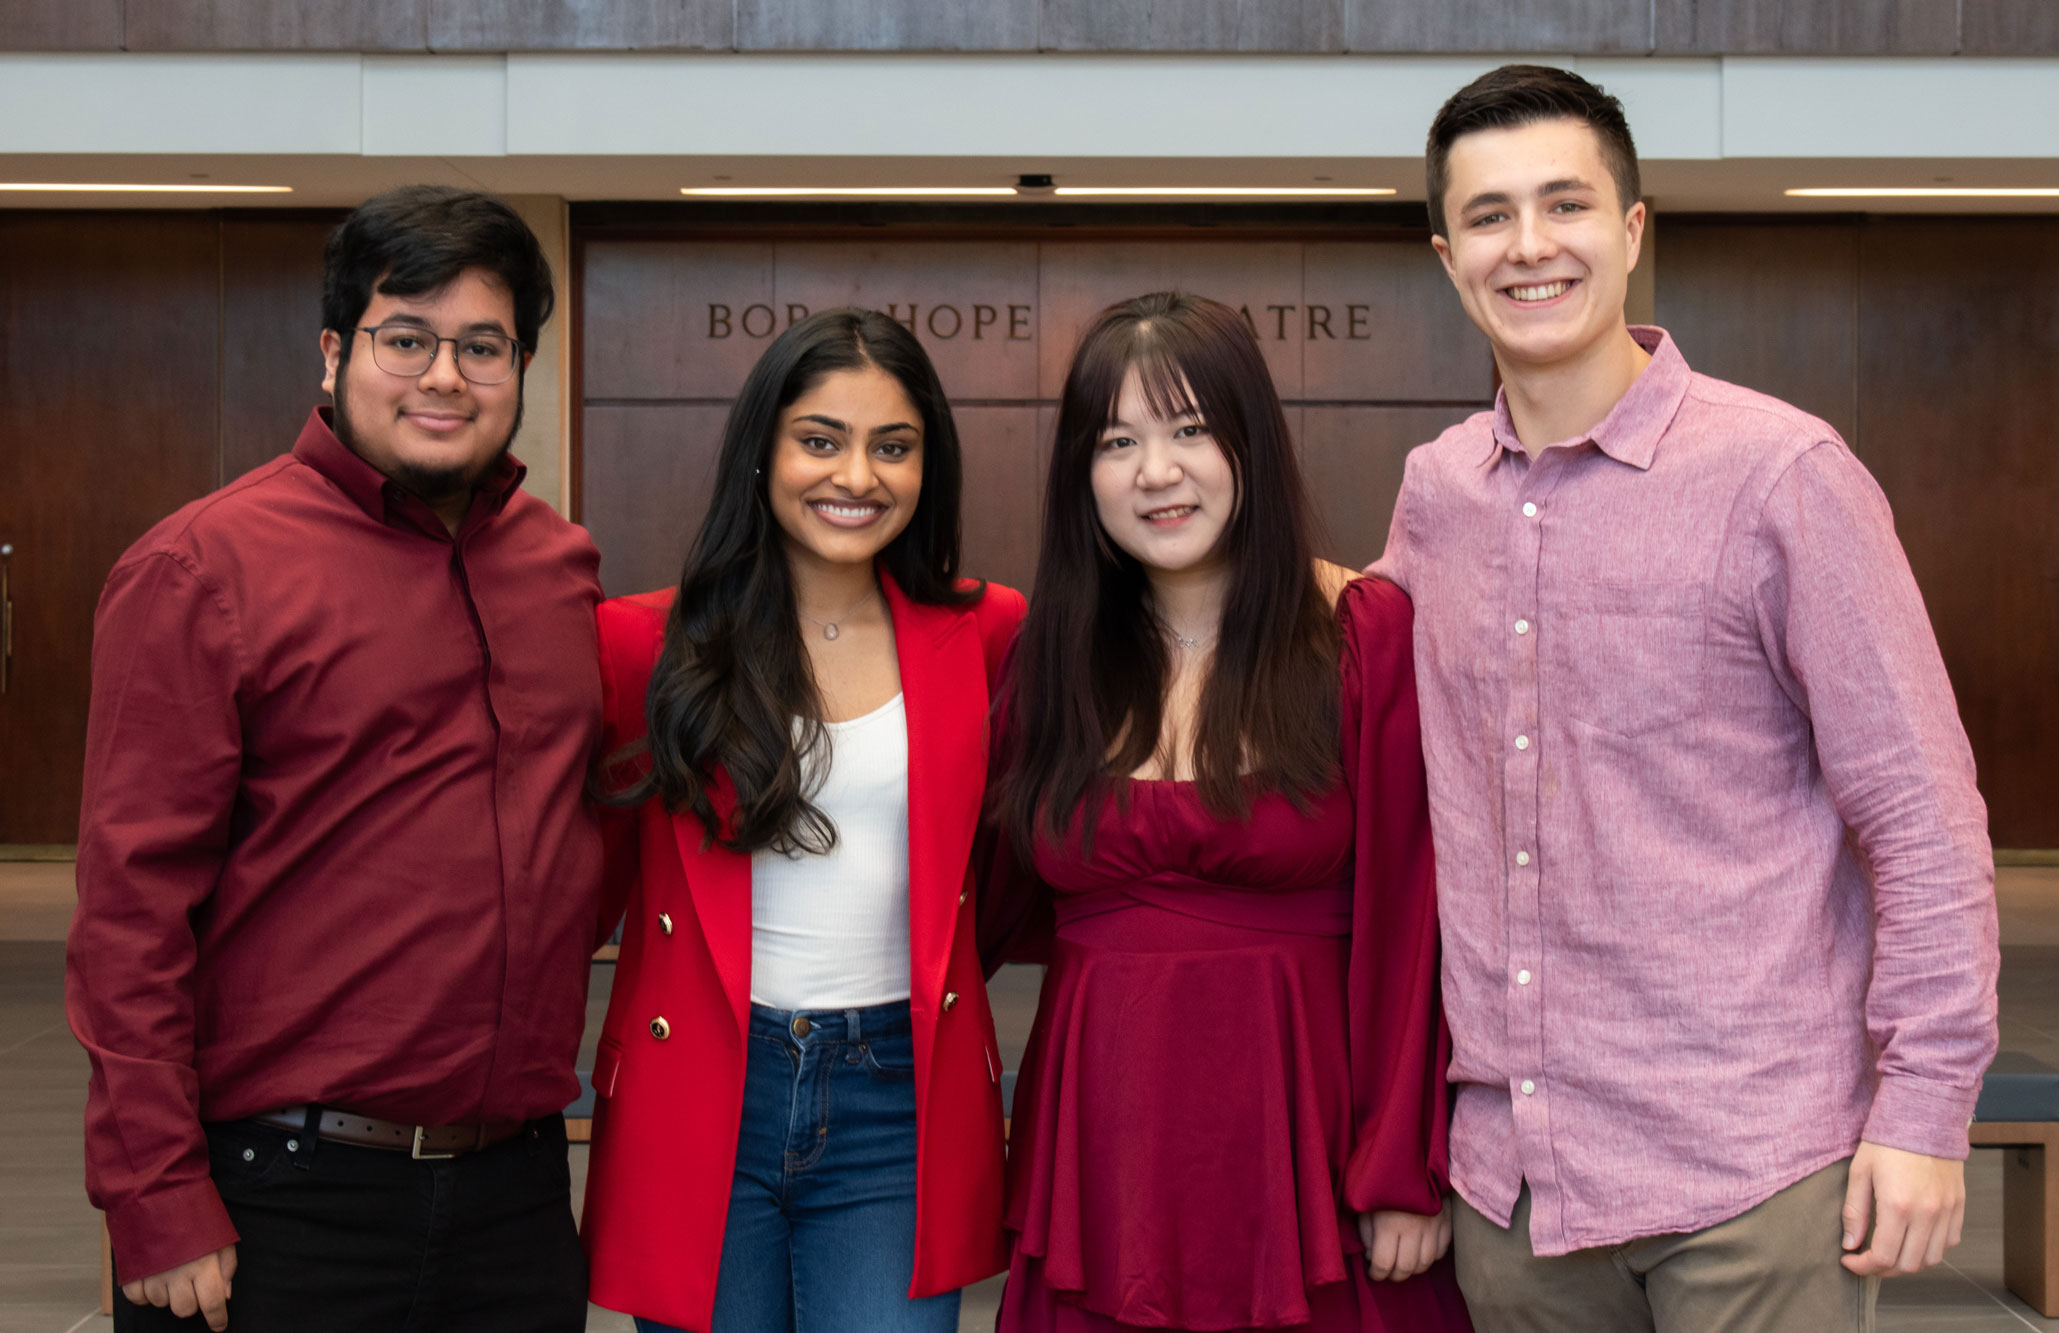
<point x="1400" y="1245"/>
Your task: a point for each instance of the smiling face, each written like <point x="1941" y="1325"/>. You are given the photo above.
<point x="435" y="433"/>
<point x="1540" y="248"/>
<point x="846" y="468"/>
<point x="1163" y="488"/>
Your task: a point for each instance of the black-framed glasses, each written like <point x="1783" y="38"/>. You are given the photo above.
<point x="484" y="357"/>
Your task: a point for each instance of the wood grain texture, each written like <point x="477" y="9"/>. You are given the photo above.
<point x="1379" y="320"/>
<point x="1588" y="27"/>
<point x="646" y="470"/>
<point x="665" y="319"/>
<point x="886" y="25"/>
<point x="1814" y="27"/>
<point x="271" y="335"/>
<point x="1773" y="307"/>
<point x="1959" y="329"/>
<point x="1199" y="25"/>
<point x="107" y="424"/>
<point x="572" y="25"/>
<point x="61" y="25"/>
<point x="1007" y="453"/>
<point x="276" y="25"/>
<point x="1352" y="458"/>
<point x="2008" y="28"/>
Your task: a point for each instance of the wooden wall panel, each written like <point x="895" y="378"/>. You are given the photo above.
<point x="1007" y="451"/>
<point x="1959" y="331"/>
<point x="886" y="25"/>
<point x="1262" y="278"/>
<point x="277" y="25"/>
<point x="1773" y="307"/>
<point x="663" y="320"/>
<point x="1584" y="26"/>
<point x="1352" y="458"/>
<point x="1207" y="25"/>
<point x="1820" y="27"/>
<point x="972" y="303"/>
<point x="568" y="25"/>
<point x="2008" y="28"/>
<point x="1380" y="320"/>
<point x="107" y="424"/>
<point x="271" y="335"/>
<point x="61" y="25"/>
<point x="646" y="473"/>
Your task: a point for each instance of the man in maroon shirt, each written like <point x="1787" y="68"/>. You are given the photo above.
<point x="336" y="883"/>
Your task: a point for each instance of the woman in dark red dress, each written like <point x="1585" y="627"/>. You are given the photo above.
<point x="1212" y="824"/>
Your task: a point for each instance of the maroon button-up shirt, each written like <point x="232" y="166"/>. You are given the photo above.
<point x="332" y="847"/>
<point x="1714" y="877"/>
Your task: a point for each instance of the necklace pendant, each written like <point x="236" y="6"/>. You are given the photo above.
<point x="829" y="631"/>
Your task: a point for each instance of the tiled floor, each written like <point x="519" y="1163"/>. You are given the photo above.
<point x="49" y="1236"/>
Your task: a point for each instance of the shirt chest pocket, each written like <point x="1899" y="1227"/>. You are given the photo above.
<point x="1628" y="656"/>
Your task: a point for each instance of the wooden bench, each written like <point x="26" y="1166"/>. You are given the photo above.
<point x="2019" y="1112"/>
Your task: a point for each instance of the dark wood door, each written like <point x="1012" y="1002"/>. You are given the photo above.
<point x="145" y="358"/>
<point x="108" y="340"/>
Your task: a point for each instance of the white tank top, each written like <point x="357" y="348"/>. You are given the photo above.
<point x="831" y="932"/>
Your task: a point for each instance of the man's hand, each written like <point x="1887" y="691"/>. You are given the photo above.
<point x="1401" y="1245"/>
<point x="1916" y="1203"/>
<point x="200" y="1285"/>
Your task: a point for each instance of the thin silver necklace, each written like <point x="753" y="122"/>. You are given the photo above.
<point x="1191" y="643"/>
<point x="829" y="627"/>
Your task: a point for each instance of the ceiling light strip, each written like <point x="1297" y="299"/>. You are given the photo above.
<point x="1923" y="192"/>
<point x="1239" y="191"/>
<point x="850" y="191"/>
<point x="77" y="187"/>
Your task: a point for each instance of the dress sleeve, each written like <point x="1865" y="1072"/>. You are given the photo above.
<point x="1400" y="1047"/>
<point x="164" y="755"/>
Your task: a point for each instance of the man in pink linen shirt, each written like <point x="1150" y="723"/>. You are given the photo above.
<point x="1716" y="889"/>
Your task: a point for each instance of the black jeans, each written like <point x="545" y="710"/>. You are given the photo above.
<point x="368" y="1240"/>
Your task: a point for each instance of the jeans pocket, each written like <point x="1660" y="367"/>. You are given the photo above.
<point x="890" y="1059"/>
<point x="240" y="1154"/>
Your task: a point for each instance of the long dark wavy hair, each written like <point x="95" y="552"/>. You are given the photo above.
<point x="734" y="676"/>
<point x="1086" y="692"/>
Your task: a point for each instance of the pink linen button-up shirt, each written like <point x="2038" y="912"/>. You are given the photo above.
<point x="1715" y="882"/>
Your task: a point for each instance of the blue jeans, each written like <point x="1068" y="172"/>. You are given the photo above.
<point x="821" y="1230"/>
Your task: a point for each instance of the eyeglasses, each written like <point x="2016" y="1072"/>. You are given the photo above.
<point x="408" y="349"/>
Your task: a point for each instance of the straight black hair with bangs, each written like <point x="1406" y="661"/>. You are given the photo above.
<point x="1085" y="698"/>
<point x="733" y="674"/>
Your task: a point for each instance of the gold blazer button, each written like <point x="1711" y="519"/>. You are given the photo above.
<point x="660" y="1028"/>
<point x="665" y="922"/>
<point x="950" y="998"/>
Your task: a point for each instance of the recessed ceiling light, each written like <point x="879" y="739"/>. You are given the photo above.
<point x="1923" y="192"/>
<point x="1237" y="191"/>
<point x="848" y="191"/>
<point x="75" y="187"/>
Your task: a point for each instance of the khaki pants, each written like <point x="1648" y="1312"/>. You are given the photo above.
<point x="1773" y="1269"/>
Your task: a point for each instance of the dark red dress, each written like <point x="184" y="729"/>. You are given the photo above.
<point x="1238" y="1046"/>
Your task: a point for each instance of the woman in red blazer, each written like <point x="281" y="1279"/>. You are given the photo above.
<point x="799" y="1119"/>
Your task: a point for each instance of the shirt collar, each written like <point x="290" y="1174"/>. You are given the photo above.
<point x="1630" y="432"/>
<point x="372" y="491"/>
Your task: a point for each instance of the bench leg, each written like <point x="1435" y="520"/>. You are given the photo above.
<point x="2030" y="1227"/>
<point x="106" y="1270"/>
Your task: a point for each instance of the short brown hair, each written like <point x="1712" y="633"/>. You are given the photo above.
<point x="1516" y="95"/>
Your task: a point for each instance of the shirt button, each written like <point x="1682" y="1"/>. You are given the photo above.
<point x="665" y="922"/>
<point x="1522" y="627"/>
<point x="1522" y="858"/>
<point x="1529" y="510"/>
<point x="801" y="1026"/>
<point x="1528" y="1087"/>
<point x="1522" y="742"/>
<point x="1523" y="977"/>
<point x="660" y="1028"/>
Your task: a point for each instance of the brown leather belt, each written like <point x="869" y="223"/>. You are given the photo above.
<point x="418" y="1141"/>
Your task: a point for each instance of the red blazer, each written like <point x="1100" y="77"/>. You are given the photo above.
<point x="665" y="1126"/>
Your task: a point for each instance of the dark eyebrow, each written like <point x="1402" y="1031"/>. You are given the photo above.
<point x="878" y="431"/>
<point x="1563" y="186"/>
<point x="830" y="422"/>
<point x="477" y="326"/>
<point x="1490" y="197"/>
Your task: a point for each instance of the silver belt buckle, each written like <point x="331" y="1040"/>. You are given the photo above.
<point x="421" y="1156"/>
